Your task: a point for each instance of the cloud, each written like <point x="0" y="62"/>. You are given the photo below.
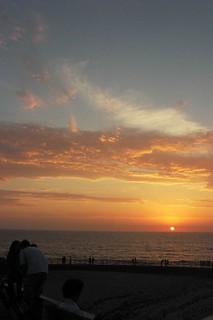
<point x="62" y="95"/>
<point x="204" y="203"/>
<point x="40" y="75"/>
<point x="52" y="91"/>
<point x="29" y="26"/>
<point x="58" y="96"/>
<point x="49" y="92"/>
<point x="110" y="137"/>
<point x="29" y="100"/>
<point x="14" y="198"/>
<point x="73" y="125"/>
<point x="142" y="116"/>
<point x="33" y="151"/>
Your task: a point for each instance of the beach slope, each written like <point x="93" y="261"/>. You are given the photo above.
<point x="139" y="295"/>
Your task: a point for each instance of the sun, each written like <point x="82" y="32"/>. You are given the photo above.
<point x="172" y="228"/>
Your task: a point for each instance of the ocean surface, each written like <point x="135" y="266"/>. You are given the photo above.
<point x="145" y="246"/>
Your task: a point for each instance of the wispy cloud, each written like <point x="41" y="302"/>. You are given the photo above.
<point x="29" y="100"/>
<point x="51" y="90"/>
<point x="62" y="95"/>
<point x="31" y="29"/>
<point x="73" y="125"/>
<point x="56" y="95"/>
<point x="30" y="26"/>
<point x="14" y="198"/>
<point x="204" y="203"/>
<point x="31" y="151"/>
<point x="142" y="116"/>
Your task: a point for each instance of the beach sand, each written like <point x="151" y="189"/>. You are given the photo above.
<point x="139" y="295"/>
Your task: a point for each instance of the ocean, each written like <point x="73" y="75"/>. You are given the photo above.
<point x="145" y="246"/>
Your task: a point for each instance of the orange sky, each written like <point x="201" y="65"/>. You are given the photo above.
<point x="106" y="115"/>
<point x="56" y="179"/>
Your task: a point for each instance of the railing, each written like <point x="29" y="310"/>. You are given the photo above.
<point x="163" y="263"/>
<point x="205" y="264"/>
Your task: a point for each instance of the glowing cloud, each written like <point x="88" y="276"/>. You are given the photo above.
<point x="151" y="158"/>
<point x="30" y="101"/>
<point x="63" y="95"/>
<point x="73" y="125"/>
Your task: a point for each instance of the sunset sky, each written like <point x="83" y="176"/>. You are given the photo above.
<point x="106" y="116"/>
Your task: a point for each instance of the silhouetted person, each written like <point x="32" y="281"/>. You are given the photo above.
<point x="63" y="260"/>
<point x="14" y="271"/>
<point x="35" y="267"/>
<point x="71" y="290"/>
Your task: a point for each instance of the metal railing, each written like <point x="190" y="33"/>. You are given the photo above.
<point x="139" y="262"/>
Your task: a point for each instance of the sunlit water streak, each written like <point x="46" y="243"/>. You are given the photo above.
<point x="115" y="245"/>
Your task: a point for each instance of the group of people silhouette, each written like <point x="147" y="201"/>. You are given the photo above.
<point x="27" y="272"/>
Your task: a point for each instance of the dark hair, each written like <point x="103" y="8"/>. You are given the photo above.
<point x="14" y="245"/>
<point x="25" y="244"/>
<point x="34" y="245"/>
<point x="72" y="287"/>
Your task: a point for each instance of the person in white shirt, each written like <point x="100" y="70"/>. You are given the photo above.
<point x="35" y="267"/>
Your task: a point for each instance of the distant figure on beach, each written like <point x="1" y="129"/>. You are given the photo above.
<point x="63" y="260"/>
<point x="14" y="271"/>
<point x="71" y="290"/>
<point x="35" y="268"/>
<point x="204" y="263"/>
<point x="164" y="262"/>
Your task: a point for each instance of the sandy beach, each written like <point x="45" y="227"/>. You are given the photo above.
<point x="139" y="295"/>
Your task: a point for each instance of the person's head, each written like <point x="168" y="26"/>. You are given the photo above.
<point x="15" y="246"/>
<point x="34" y="245"/>
<point x="72" y="289"/>
<point x="25" y="244"/>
